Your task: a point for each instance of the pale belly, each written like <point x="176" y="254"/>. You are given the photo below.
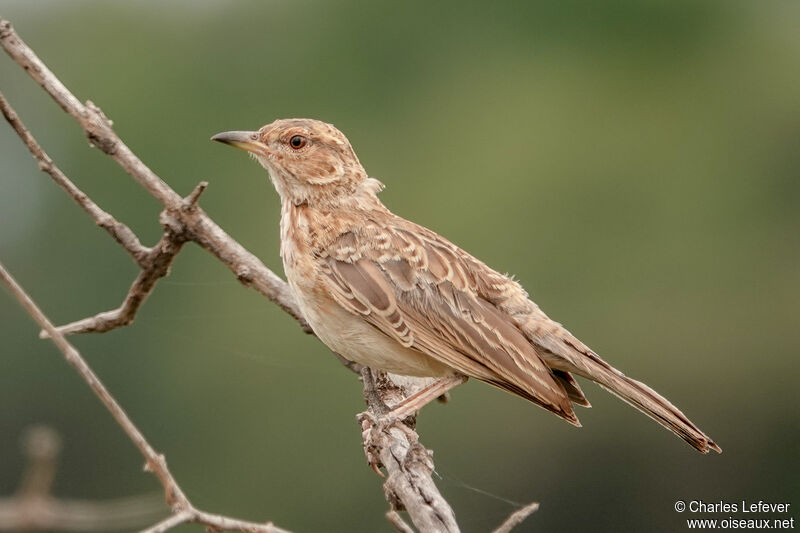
<point x="352" y="337"/>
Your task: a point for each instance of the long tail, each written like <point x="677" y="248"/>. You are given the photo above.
<point x="647" y="401"/>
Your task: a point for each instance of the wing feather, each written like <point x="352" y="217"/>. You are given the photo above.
<point x="424" y="296"/>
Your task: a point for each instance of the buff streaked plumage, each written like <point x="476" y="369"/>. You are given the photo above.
<point x="388" y="293"/>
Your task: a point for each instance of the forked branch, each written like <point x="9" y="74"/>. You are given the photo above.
<point x="119" y="231"/>
<point x="154" y="462"/>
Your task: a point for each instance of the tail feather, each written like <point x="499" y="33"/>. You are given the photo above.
<point x="564" y="410"/>
<point x="647" y="401"/>
<point x="571" y="387"/>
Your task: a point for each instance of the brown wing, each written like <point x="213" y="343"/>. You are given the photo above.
<point x="422" y="291"/>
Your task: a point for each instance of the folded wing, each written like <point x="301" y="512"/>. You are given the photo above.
<point x="420" y="292"/>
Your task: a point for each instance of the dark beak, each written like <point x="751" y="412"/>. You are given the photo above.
<point x="245" y="140"/>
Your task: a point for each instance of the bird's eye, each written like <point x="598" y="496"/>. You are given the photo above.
<point x="297" y="142"/>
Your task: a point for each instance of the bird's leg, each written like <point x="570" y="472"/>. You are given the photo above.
<point x="424" y="396"/>
<point x="380" y="416"/>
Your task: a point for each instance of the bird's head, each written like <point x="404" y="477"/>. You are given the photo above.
<point x="308" y="161"/>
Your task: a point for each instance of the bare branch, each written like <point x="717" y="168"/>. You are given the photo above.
<point x="41" y="445"/>
<point x="169" y="522"/>
<point x="156" y="266"/>
<point x="517" y="517"/>
<point x="223" y="523"/>
<point x="96" y="125"/>
<point x="397" y="521"/>
<point x="154" y="462"/>
<point x="190" y="201"/>
<point x="51" y="514"/>
<point x="34" y="508"/>
<point x="248" y="269"/>
<point x="395" y="446"/>
<point x="154" y="261"/>
<point x="120" y="232"/>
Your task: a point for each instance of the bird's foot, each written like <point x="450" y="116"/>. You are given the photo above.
<point x="370" y="423"/>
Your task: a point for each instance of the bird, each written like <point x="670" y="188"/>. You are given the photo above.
<point x="395" y="296"/>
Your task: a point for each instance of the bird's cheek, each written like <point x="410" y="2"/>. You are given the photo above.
<point x="265" y="161"/>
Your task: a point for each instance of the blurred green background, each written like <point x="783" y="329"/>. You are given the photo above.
<point x="635" y="164"/>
